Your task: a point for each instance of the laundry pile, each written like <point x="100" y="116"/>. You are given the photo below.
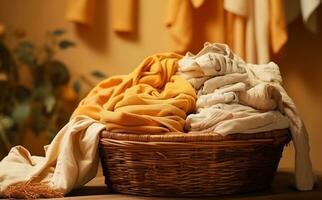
<point x="214" y="91"/>
<point x="229" y="100"/>
<point x="237" y="97"/>
<point x="150" y="100"/>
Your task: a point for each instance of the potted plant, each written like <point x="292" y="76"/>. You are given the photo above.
<point x="36" y="93"/>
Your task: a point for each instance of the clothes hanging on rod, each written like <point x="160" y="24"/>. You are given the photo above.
<point x="255" y="30"/>
<point x="83" y="12"/>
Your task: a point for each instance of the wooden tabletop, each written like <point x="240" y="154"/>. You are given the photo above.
<point x="281" y="189"/>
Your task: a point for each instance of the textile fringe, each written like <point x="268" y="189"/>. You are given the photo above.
<point x="31" y="191"/>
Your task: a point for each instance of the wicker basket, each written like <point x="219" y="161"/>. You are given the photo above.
<point x="191" y="164"/>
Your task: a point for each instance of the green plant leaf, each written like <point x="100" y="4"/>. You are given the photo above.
<point x="64" y="44"/>
<point x="77" y="86"/>
<point x="41" y="91"/>
<point x="5" y="89"/>
<point x="21" y="112"/>
<point x="22" y="93"/>
<point x="5" y="139"/>
<point x="58" y="32"/>
<point x="39" y="75"/>
<point x="25" y="53"/>
<point x="27" y="45"/>
<point x="6" y="98"/>
<point x="58" y="73"/>
<point x="98" y="74"/>
<point x="6" y="122"/>
<point x="39" y="120"/>
<point x="50" y="102"/>
<point x="6" y="60"/>
<point x="39" y="125"/>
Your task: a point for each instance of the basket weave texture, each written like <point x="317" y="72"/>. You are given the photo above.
<point x="193" y="164"/>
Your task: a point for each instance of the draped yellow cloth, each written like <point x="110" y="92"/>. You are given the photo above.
<point x="150" y="100"/>
<point x="83" y="12"/>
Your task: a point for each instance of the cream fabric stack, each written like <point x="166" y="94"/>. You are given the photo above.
<point x="237" y="97"/>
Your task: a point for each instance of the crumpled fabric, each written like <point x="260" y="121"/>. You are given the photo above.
<point x="150" y="100"/>
<point x="70" y="161"/>
<point x="232" y="118"/>
<point x="262" y="96"/>
<point x="214" y="83"/>
<point x="252" y="101"/>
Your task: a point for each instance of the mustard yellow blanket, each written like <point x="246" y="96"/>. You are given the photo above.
<point x="150" y="100"/>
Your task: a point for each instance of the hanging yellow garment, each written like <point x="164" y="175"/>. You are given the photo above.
<point x="123" y="15"/>
<point x="278" y="32"/>
<point x="179" y="20"/>
<point x="83" y="12"/>
<point x="150" y="100"/>
<point x="254" y="29"/>
<point x="191" y="21"/>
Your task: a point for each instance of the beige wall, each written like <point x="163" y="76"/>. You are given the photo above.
<point x="100" y="48"/>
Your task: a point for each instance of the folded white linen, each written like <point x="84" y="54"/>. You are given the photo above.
<point x="207" y="100"/>
<point x="237" y="87"/>
<point x="211" y="60"/>
<point x="196" y="82"/>
<point x="262" y="96"/>
<point x="235" y="118"/>
<point x="229" y="103"/>
<point x="210" y="85"/>
<point x="212" y="64"/>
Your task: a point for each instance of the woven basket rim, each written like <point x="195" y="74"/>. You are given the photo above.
<point x="268" y="136"/>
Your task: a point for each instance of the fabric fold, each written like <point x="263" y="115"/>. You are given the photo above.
<point x="150" y="100"/>
<point x="70" y="161"/>
<point x="83" y="12"/>
<point x="179" y="20"/>
<point x="262" y="96"/>
<point x="80" y="11"/>
<point x="123" y="15"/>
<point x="249" y="99"/>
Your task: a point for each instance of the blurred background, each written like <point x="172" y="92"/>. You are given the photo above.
<point x="53" y="52"/>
